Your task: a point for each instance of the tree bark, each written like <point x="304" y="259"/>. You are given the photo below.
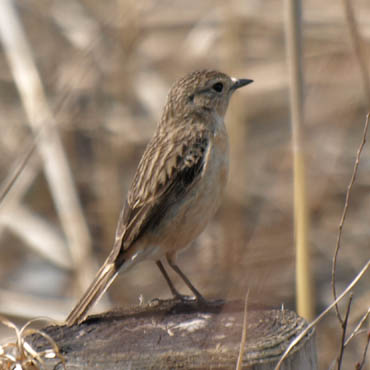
<point x="174" y="335"/>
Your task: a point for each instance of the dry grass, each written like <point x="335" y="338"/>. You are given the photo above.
<point x="105" y="70"/>
<point x="17" y="353"/>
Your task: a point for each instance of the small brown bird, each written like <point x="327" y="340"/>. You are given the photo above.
<point x="178" y="184"/>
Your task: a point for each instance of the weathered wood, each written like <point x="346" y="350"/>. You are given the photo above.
<point x="173" y="335"/>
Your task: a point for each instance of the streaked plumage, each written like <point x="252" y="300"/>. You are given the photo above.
<point x="178" y="183"/>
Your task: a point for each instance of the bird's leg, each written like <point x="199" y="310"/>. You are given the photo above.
<point x="176" y="268"/>
<point x="174" y="291"/>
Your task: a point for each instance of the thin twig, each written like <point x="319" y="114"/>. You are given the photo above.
<point x="239" y="363"/>
<point x="18" y="169"/>
<point x="360" y="365"/>
<point x="356" y="330"/>
<point x="344" y="214"/>
<point x="297" y="339"/>
<point x="344" y="329"/>
<point x="24" y="158"/>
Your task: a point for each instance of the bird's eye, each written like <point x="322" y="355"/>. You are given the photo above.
<point x="218" y="86"/>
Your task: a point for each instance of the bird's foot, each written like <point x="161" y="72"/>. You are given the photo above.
<point x="185" y="298"/>
<point x="199" y="300"/>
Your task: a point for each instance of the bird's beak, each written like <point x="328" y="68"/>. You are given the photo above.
<point x="239" y="83"/>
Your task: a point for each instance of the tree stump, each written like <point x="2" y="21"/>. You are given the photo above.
<point x="174" y="335"/>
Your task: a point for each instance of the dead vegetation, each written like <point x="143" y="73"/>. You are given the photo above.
<point x="104" y="69"/>
<point x="18" y="353"/>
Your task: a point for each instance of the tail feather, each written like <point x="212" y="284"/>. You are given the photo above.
<point x="100" y="284"/>
<point x="104" y="278"/>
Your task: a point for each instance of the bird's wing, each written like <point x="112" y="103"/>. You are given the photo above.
<point x="170" y="166"/>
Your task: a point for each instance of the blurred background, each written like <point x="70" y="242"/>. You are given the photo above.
<point x="105" y="69"/>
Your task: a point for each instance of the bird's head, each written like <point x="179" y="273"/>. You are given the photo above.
<point x="202" y="91"/>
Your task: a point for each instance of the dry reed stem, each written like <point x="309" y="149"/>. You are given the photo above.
<point x="344" y="214"/>
<point x="243" y="340"/>
<point x="304" y="281"/>
<point x="55" y="162"/>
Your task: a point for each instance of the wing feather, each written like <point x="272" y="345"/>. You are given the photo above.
<point x="170" y="166"/>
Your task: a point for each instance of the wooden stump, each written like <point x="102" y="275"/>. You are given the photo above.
<point x="173" y="335"/>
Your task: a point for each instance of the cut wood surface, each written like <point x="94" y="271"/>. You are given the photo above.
<point x="174" y="335"/>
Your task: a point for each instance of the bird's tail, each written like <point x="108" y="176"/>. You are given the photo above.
<point x="100" y="284"/>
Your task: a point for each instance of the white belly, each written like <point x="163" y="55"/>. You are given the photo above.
<point x="186" y="221"/>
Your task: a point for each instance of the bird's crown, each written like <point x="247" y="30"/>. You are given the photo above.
<point x="205" y="91"/>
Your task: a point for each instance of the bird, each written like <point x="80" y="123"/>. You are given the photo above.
<point x="177" y="187"/>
